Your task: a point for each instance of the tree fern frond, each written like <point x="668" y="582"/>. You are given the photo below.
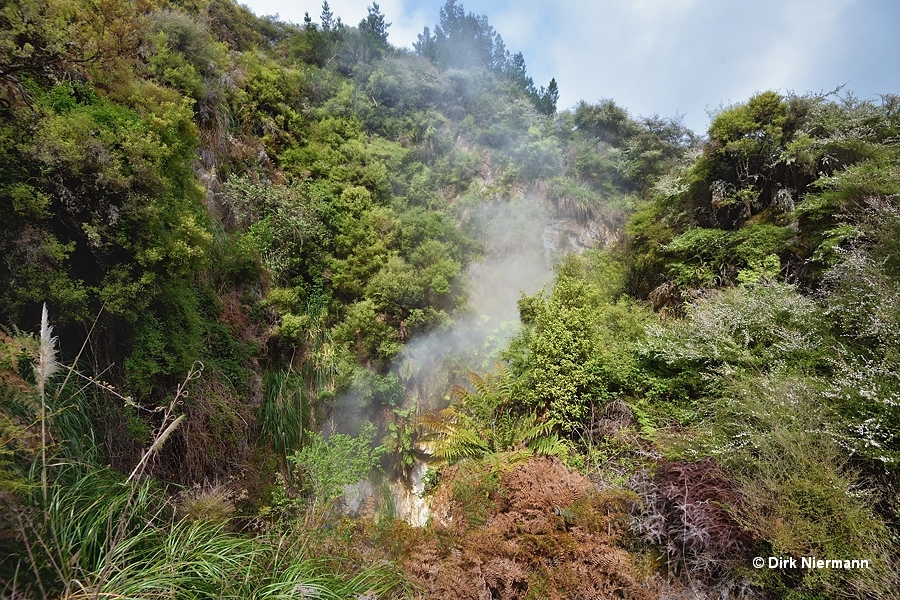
<point x="502" y="370"/>
<point x="459" y="444"/>
<point x="451" y="436"/>
<point x="458" y="393"/>
<point x="438" y="423"/>
<point x="479" y="383"/>
<point x="506" y="384"/>
<point x="536" y="429"/>
<point x="550" y="446"/>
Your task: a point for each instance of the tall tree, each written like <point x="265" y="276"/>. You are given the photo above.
<point x="547" y="98"/>
<point x="426" y="45"/>
<point x="463" y="40"/>
<point x="327" y="17"/>
<point x="374" y="29"/>
<point x="516" y="71"/>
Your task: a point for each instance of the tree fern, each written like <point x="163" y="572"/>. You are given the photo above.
<point x="455" y="436"/>
<point x="452" y="436"/>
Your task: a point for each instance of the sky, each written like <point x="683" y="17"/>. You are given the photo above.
<point x="669" y="57"/>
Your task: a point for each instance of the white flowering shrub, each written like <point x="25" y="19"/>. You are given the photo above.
<point x="755" y="328"/>
<point x="862" y="298"/>
<point x="789" y="403"/>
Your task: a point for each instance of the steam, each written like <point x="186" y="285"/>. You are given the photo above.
<point x="522" y="240"/>
<point x="516" y="261"/>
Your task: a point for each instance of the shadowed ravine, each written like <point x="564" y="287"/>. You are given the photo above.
<point x="522" y="239"/>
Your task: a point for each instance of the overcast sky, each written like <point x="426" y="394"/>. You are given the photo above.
<point x="669" y="56"/>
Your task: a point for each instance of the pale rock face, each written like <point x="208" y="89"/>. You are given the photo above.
<point x="408" y="501"/>
<point x="359" y="498"/>
<point x="570" y="235"/>
<point x="363" y="497"/>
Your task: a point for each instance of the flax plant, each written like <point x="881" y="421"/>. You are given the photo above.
<point x="285" y="412"/>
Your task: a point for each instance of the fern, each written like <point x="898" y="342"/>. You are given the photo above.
<point x="451" y="439"/>
<point x="454" y="436"/>
<point x="550" y="446"/>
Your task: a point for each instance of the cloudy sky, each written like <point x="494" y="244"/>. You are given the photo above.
<point x="669" y="57"/>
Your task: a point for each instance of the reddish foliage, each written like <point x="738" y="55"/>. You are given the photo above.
<point x="689" y="510"/>
<point x="548" y="534"/>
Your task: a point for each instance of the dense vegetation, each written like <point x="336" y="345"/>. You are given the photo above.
<point x="232" y="232"/>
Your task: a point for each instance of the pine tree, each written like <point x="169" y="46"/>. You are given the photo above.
<point x="547" y="98"/>
<point x="327" y="17"/>
<point x="374" y="29"/>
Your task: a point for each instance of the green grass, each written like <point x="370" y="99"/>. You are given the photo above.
<point x="99" y="537"/>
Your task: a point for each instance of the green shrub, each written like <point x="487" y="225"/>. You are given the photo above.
<point x="702" y="257"/>
<point x="577" y="348"/>
<point x="754" y="328"/>
<point x="325" y="466"/>
<point x="800" y="494"/>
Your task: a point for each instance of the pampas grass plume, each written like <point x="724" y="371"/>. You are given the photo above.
<point x="47" y="364"/>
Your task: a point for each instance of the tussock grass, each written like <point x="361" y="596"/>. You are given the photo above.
<point x="100" y="537"/>
<point x="84" y="531"/>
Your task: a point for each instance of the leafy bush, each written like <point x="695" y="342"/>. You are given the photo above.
<point x="703" y="257"/>
<point x="754" y="328"/>
<point x="762" y="355"/>
<point x="282" y="224"/>
<point x="860" y="296"/>
<point x="325" y="466"/>
<point x="576" y="349"/>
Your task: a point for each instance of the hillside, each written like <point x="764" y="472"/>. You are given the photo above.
<point x="289" y="312"/>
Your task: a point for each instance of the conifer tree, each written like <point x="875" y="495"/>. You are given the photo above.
<point x="374" y="29"/>
<point x="327" y="17"/>
<point x="547" y="98"/>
